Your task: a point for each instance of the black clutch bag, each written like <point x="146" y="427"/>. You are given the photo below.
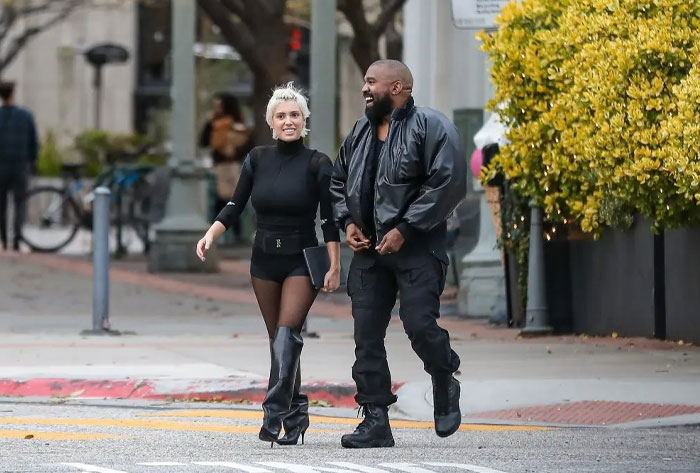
<point x="318" y="264"/>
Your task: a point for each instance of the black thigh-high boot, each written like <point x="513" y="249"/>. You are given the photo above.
<point x="285" y="350"/>
<point x="297" y="421"/>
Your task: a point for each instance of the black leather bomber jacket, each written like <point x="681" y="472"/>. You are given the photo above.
<point x="421" y="174"/>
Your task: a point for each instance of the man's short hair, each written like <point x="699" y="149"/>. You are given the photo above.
<point x="7" y="89"/>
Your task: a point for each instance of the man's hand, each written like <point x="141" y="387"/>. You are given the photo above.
<point x="391" y="243"/>
<point x="357" y="241"/>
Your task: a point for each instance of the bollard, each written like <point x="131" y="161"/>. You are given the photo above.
<point x="536" y="313"/>
<point x="100" y="263"/>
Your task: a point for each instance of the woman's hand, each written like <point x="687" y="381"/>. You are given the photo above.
<point x="332" y="280"/>
<point x="203" y="246"/>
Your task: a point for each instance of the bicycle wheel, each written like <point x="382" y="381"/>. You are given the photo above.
<point x="52" y="219"/>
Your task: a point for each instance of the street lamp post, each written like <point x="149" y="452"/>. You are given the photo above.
<point x="323" y="80"/>
<point x="184" y="223"/>
<point x="537" y="312"/>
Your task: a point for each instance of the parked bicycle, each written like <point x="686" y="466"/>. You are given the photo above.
<point x="55" y="214"/>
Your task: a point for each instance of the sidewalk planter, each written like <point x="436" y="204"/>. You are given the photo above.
<point x="683" y="284"/>
<point x="612" y="283"/>
<point x="598" y="287"/>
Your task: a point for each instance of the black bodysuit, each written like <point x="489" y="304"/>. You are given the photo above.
<point x="286" y="183"/>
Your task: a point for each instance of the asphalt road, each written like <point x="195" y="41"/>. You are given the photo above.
<point x="113" y="437"/>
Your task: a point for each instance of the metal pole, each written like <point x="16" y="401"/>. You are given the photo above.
<point x="183" y="95"/>
<point x="323" y="85"/>
<point x="323" y="75"/>
<point x="100" y="264"/>
<point x="184" y="222"/>
<point x="659" y="286"/>
<point x="98" y="97"/>
<point x="537" y="313"/>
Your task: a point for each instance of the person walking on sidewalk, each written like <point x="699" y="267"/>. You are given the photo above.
<point x="286" y="183"/>
<point x="18" y="154"/>
<point x="398" y="176"/>
<point x="226" y="134"/>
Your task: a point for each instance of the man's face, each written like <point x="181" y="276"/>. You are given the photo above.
<point x="377" y="94"/>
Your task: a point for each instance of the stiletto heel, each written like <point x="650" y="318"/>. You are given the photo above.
<point x="297" y="420"/>
<point x="272" y="444"/>
<point x="285" y="348"/>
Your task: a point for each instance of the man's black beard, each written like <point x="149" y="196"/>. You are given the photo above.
<point x="381" y="108"/>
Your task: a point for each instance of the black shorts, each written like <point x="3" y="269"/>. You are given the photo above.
<point x="276" y="267"/>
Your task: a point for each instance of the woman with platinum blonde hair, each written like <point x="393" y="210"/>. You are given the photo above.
<point x="286" y="183"/>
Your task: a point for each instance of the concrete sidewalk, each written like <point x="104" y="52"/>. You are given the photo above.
<point x="200" y="337"/>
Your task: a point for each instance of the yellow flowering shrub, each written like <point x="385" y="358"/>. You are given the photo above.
<point x="602" y="100"/>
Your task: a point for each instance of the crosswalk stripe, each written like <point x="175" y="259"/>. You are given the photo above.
<point x="92" y="468"/>
<point x="235" y="466"/>
<point x="361" y="468"/>
<point x="407" y="467"/>
<point x="474" y="468"/>
<point x="297" y="468"/>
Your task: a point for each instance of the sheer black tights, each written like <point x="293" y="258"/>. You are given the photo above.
<point x="285" y="304"/>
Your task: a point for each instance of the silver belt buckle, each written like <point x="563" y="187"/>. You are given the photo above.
<point x="279" y="243"/>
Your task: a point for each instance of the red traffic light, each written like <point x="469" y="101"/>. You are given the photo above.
<point x="295" y="42"/>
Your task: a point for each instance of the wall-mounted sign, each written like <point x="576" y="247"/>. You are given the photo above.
<point x="476" y="14"/>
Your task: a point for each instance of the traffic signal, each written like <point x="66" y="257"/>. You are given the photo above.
<point x="300" y="55"/>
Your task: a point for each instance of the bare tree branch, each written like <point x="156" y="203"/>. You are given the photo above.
<point x="21" y="40"/>
<point x="365" y="42"/>
<point x="389" y="11"/>
<point x="7" y="19"/>
<point x="238" y="34"/>
<point x="236" y="6"/>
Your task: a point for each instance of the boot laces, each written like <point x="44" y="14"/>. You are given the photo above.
<point x="366" y="423"/>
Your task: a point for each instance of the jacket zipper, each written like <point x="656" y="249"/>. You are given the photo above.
<point x="376" y="188"/>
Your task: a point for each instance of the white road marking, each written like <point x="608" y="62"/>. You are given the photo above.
<point x="161" y="464"/>
<point x="362" y="468"/>
<point x="474" y="468"/>
<point x="235" y="466"/>
<point x="92" y="468"/>
<point x="407" y="467"/>
<point x="296" y="468"/>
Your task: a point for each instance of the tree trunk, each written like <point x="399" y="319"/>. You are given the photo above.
<point x="275" y="72"/>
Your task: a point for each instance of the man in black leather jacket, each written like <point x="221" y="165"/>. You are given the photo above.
<point x="399" y="174"/>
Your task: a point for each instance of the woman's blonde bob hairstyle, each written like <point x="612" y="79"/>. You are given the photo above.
<point x="287" y="93"/>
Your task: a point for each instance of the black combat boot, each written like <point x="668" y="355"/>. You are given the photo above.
<point x="373" y="431"/>
<point x="297" y="421"/>
<point x="446" y="392"/>
<point x="285" y="350"/>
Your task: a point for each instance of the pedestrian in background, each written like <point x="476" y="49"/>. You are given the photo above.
<point x="19" y="148"/>
<point x="229" y="139"/>
<point x="287" y="183"/>
<point x="399" y="175"/>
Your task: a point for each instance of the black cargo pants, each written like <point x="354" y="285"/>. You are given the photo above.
<point x="418" y="275"/>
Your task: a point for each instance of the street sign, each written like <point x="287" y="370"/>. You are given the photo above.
<point x="476" y="14"/>
<point x="106" y="54"/>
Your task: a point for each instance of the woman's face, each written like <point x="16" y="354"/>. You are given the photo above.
<point x="288" y="121"/>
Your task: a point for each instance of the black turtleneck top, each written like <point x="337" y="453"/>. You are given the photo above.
<point x="286" y="183"/>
